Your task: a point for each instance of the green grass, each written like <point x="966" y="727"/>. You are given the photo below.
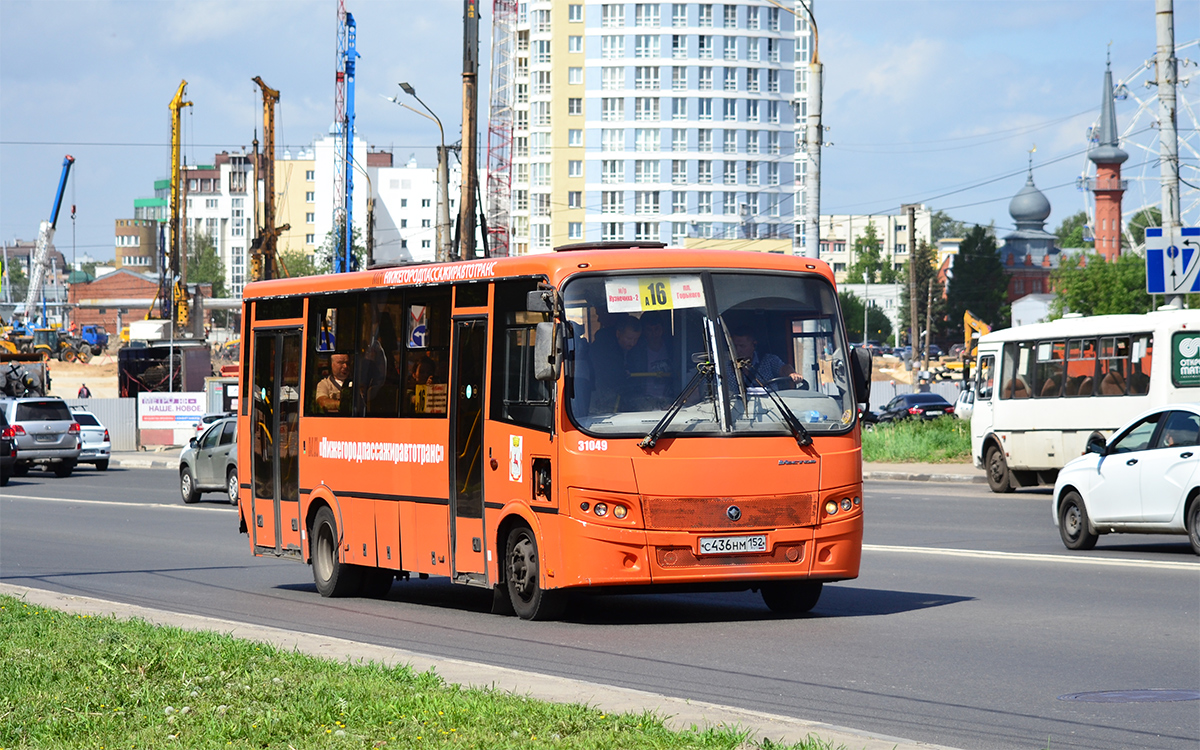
<point x="77" y="681"/>
<point x="941" y="440"/>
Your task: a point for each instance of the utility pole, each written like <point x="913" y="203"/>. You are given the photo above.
<point x="812" y="147"/>
<point x="928" y="306"/>
<point x="1168" y="148"/>
<point x="470" y="172"/>
<point x="911" y="209"/>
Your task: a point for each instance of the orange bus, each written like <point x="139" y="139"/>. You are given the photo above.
<point x="603" y="417"/>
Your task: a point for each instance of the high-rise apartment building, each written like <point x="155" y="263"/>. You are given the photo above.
<point x="805" y="41"/>
<point x="652" y="122"/>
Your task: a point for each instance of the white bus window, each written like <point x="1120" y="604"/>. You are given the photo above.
<point x="985" y="378"/>
<point x="1048" y="377"/>
<point x="1081" y="367"/>
<point x="1018" y="370"/>
<point x="1139" y="379"/>
<point x="1114" y="365"/>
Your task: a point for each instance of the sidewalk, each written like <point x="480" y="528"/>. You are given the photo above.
<point x="169" y="459"/>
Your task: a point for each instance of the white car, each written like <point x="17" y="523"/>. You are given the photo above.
<point x="97" y="447"/>
<point x="1143" y="482"/>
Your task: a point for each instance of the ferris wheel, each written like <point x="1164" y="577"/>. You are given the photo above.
<point x="1138" y="122"/>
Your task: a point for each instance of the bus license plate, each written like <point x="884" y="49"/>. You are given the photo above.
<point x="716" y="545"/>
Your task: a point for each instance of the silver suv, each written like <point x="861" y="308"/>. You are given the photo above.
<point x="45" y="433"/>
<point x="209" y="463"/>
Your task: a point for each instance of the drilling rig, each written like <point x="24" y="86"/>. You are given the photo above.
<point x="500" y="126"/>
<point x="343" y="199"/>
<point x="263" y="261"/>
<point x="171" y="286"/>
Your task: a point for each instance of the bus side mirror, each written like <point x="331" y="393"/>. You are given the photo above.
<point x="860" y="370"/>
<point x="1096" y="444"/>
<point x="540" y="300"/>
<point x="547" y="352"/>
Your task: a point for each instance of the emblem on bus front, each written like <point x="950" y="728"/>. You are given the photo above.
<point x="734" y="513"/>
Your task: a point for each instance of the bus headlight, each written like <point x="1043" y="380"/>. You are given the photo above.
<point x="619" y="511"/>
<point x="845" y="503"/>
<point x="831" y="507"/>
<point x="600" y="509"/>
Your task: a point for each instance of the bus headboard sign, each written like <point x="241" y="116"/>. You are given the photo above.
<point x="626" y="294"/>
<point x="1172" y="261"/>
<point x="1185" y="359"/>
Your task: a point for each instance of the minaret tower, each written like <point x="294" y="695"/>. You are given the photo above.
<point x="1108" y="187"/>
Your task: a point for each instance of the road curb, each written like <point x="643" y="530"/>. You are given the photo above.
<point x="142" y="463"/>
<point x="908" y="476"/>
<point x="679" y="713"/>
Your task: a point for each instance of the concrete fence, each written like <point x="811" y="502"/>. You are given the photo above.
<point x="119" y="415"/>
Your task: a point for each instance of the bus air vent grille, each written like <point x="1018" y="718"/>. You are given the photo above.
<point x="710" y="513"/>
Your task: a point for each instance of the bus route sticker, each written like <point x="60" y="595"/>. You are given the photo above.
<point x="1185" y="359"/>
<point x="514" y="458"/>
<point x="646" y="293"/>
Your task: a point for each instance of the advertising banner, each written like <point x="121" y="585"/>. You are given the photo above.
<point x="169" y="411"/>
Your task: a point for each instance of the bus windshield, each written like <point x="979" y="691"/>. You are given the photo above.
<point x="735" y="352"/>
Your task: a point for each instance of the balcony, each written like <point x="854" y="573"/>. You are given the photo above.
<point x="1107" y="184"/>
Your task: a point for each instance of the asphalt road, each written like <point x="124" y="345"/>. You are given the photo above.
<point x="967" y="626"/>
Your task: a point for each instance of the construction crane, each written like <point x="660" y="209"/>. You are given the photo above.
<point x="263" y="261"/>
<point x="173" y="288"/>
<point x="343" y="199"/>
<point x="41" y="254"/>
<point x="500" y="127"/>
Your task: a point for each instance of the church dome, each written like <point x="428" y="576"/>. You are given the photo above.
<point x="1029" y="205"/>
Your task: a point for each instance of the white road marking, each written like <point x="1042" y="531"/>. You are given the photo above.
<point x="180" y="506"/>
<point x="1035" y="557"/>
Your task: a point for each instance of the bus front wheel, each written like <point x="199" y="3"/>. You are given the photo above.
<point x="1073" y="524"/>
<point x="1193" y="525"/>
<point x="791" y="597"/>
<point x="332" y="576"/>
<point x="998" y="477"/>
<point x="523" y="571"/>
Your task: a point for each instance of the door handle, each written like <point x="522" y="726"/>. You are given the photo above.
<point x="1131" y="462"/>
<point x="1185" y="454"/>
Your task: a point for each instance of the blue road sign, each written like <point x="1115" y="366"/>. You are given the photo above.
<point x="1172" y="261"/>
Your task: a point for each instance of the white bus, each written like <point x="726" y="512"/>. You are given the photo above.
<point x="1041" y="390"/>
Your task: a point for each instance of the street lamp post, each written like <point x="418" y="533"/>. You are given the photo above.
<point x="443" y="222"/>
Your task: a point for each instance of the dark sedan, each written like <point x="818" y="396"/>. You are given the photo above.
<point x="915" y="406"/>
<point x="8" y="450"/>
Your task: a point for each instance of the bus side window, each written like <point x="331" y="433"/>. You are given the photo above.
<point x="985" y="378"/>
<point x="1114" y="365"/>
<point x="1081" y="367"/>
<point x="1018" y="370"/>
<point x="516" y="396"/>
<point x="1049" y="374"/>
<point x="380" y="366"/>
<point x="426" y="332"/>
<point x="333" y="349"/>
<point x="1143" y="354"/>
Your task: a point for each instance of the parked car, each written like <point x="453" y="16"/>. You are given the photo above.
<point x="97" y="446"/>
<point x="957" y="350"/>
<point x="915" y="406"/>
<point x="209" y="463"/>
<point x="964" y="407"/>
<point x="1144" y="481"/>
<point x="868" y="418"/>
<point x="8" y="450"/>
<point x="45" y="432"/>
<point x="935" y="351"/>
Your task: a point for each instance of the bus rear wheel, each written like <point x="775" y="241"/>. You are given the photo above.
<point x="998" y="477"/>
<point x="523" y="572"/>
<point x="332" y="576"/>
<point x="1073" y="524"/>
<point x="791" y="597"/>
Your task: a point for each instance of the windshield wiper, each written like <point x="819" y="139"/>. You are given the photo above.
<point x="799" y="431"/>
<point x="706" y="368"/>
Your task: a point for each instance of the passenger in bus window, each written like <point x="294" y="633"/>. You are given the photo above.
<point x="654" y="356"/>
<point x="612" y="363"/>
<point x="333" y="393"/>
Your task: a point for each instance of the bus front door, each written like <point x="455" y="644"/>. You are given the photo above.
<point x="467" y="543"/>
<point x="275" y="432"/>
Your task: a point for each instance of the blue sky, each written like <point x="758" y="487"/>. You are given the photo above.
<point x="923" y="99"/>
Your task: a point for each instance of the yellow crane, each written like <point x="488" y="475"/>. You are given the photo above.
<point x="263" y="259"/>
